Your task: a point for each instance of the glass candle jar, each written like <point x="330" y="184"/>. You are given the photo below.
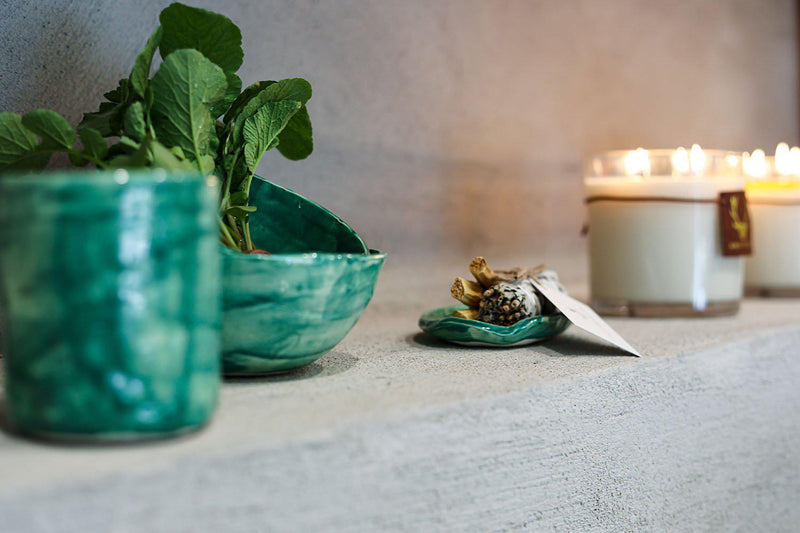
<point x="773" y="194"/>
<point x="110" y="287"/>
<point x="654" y="232"/>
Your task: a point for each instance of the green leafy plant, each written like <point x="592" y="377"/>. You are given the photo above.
<point x="191" y="115"/>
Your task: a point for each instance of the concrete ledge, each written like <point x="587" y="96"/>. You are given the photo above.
<point x="395" y="431"/>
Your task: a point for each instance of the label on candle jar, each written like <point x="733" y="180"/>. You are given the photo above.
<point x="734" y="222"/>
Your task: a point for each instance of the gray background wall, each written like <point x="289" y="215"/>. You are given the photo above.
<point x="455" y="125"/>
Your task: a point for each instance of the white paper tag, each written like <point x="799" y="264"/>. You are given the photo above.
<point x="583" y="316"/>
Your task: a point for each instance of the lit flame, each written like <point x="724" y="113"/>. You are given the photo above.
<point x="697" y="159"/>
<point x="755" y="164"/>
<point x="637" y="163"/>
<point x="782" y="164"/>
<point x="680" y="160"/>
<point x="794" y="161"/>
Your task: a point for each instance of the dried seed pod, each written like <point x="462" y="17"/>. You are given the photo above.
<point x="507" y="303"/>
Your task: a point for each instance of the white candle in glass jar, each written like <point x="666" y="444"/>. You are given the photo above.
<point x="773" y="194"/>
<point x="654" y="234"/>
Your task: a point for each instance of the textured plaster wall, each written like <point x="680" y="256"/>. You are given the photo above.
<point x="457" y="125"/>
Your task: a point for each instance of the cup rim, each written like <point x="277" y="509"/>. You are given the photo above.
<point x="119" y="177"/>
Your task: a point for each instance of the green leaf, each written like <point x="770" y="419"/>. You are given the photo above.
<point x="55" y="131"/>
<point x="130" y="143"/>
<point x="245" y="97"/>
<point x="141" y="157"/>
<point x="93" y="146"/>
<point x="206" y="164"/>
<point x="135" y="125"/>
<point x="121" y="94"/>
<point x="238" y="198"/>
<point x="177" y="152"/>
<point x="185" y="88"/>
<point x="274" y="92"/>
<point x="138" y="159"/>
<point x="261" y="130"/>
<point x="238" y="173"/>
<point x="240" y="211"/>
<point x="77" y="159"/>
<point x="140" y="75"/>
<point x="165" y="158"/>
<point x="296" y="141"/>
<point x="119" y="149"/>
<point x="231" y="93"/>
<point x="289" y="89"/>
<point x="18" y="145"/>
<point x="93" y="142"/>
<point x="108" y="119"/>
<point x="212" y="34"/>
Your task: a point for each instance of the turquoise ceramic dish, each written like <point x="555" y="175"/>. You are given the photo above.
<point x="110" y="287"/>
<point x="439" y="323"/>
<point x="286" y="310"/>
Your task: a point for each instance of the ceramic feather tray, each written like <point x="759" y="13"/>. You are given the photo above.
<point x="440" y="323"/>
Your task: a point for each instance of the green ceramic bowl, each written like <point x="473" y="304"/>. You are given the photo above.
<point x="110" y="292"/>
<point x="439" y="323"/>
<point x="288" y="309"/>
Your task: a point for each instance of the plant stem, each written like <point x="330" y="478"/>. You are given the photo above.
<point x="250" y="245"/>
<point x="232" y="227"/>
<point x="226" y="236"/>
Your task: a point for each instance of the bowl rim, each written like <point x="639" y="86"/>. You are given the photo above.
<point x="301" y="258"/>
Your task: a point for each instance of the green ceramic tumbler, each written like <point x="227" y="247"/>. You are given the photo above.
<point x="110" y="287"/>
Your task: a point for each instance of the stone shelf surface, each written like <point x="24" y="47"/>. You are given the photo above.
<point x="394" y="430"/>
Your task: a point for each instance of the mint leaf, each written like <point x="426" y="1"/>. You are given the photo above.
<point x="148" y="153"/>
<point x="185" y="88"/>
<point x="212" y="34"/>
<point x="18" y="145"/>
<point x="231" y="93"/>
<point x="138" y="159"/>
<point x="294" y="89"/>
<point x="94" y="148"/>
<point x="55" y="131"/>
<point x="140" y="75"/>
<point x="121" y="94"/>
<point x="240" y="211"/>
<point x="206" y="163"/>
<point x="135" y="125"/>
<point x="289" y="89"/>
<point x="93" y="143"/>
<point x="260" y="131"/>
<point x="108" y="119"/>
<point x="296" y="140"/>
<point x="244" y="97"/>
<point x="165" y="158"/>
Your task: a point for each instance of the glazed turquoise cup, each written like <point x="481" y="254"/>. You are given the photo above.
<point x="285" y="310"/>
<point x="110" y="287"/>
